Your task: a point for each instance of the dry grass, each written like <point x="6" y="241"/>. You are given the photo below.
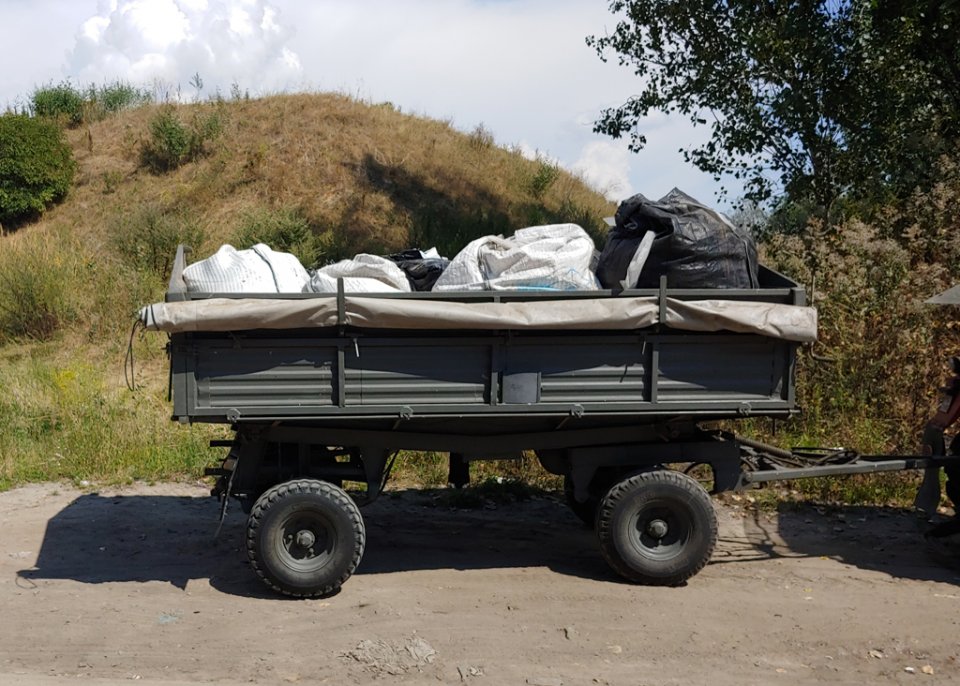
<point x="368" y="177"/>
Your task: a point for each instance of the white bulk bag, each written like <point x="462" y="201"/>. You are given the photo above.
<point x="363" y="274"/>
<point x="555" y="257"/>
<point x="257" y="270"/>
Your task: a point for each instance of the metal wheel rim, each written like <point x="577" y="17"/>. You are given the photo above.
<point x="653" y="516"/>
<point x="301" y="558"/>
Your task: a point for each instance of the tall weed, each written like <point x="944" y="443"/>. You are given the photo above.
<point x="39" y="276"/>
<point x="147" y="239"/>
<point x="871" y="383"/>
<point x="287" y="230"/>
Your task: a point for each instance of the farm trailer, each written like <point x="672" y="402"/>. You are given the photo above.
<point x="608" y="390"/>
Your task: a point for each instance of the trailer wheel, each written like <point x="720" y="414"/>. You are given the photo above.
<point x="657" y="527"/>
<point x="305" y="537"/>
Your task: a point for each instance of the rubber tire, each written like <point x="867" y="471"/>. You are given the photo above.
<point x="657" y="494"/>
<point x="585" y="511"/>
<point x="323" y="508"/>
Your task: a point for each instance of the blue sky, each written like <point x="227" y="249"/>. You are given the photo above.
<point x="519" y="67"/>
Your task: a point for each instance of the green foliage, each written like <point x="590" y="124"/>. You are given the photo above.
<point x="147" y="239"/>
<point x="36" y="166"/>
<point x="169" y="143"/>
<point x="173" y="142"/>
<point x="285" y="230"/>
<point x="543" y="178"/>
<point x="62" y="102"/>
<point x="812" y="100"/>
<point x="37" y="285"/>
<point x="62" y="420"/>
<point x="115" y="97"/>
<point x="68" y="104"/>
<point x="881" y="351"/>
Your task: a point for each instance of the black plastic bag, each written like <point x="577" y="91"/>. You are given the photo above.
<point x="694" y="246"/>
<point x="422" y="272"/>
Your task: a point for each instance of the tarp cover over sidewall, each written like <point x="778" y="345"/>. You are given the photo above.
<point x="787" y="322"/>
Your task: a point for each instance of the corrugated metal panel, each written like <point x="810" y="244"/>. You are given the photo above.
<point x="258" y="376"/>
<point x="584" y="373"/>
<point x="704" y="371"/>
<point x="422" y="374"/>
<point x="271" y="377"/>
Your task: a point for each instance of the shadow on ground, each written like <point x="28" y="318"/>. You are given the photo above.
<point x="882" y="539"/>
<point x="138" y="538"/>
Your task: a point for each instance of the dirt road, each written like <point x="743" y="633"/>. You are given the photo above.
<point x="103" y="588"/>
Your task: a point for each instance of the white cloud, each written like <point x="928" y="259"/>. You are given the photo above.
<point x="520" y="67"/>
<point x="605" y="166"/>
<point x="224" y="41"/>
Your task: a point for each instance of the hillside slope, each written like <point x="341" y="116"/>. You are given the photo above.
<point x="367" y="177"/>
<point x="323" y="171"/>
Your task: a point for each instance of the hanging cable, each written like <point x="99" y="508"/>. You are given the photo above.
<point x="128" y="362"/>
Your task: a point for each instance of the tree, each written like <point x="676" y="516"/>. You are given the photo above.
<point x="809" y="99"/>
<point x="36" y="166"/>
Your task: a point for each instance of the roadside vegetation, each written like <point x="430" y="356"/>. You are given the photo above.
<point x="326" y="176"/>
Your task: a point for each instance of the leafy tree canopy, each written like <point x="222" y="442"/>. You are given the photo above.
<point x="811" y="99"/>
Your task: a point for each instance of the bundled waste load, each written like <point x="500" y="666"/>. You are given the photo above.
<point x="363" y="274"/>
<point x="555" y="257"/>
<point x="422" y="267"/>
<point x="680" y="238"/>
<point x="676" y="236"/>
<point x="257" y="270"/>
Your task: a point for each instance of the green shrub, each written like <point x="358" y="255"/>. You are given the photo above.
<point x="62" y="102"/>
<point x="148" y="238"/>
<point x="36" y="166"/>
<point x="544" y="177"/>
<point x="885" y="350"/>
<point x="169" y="142"/>
<point x="173" y="143"/>
<point x="285" y="230"/>
<point x="116" y="97"/>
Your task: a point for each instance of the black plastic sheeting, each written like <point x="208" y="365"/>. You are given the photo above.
<point x="422" y="272"/>
<point x="694" y="247"/>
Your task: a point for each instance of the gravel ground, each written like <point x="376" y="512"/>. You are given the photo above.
<point x="129" y="584"/>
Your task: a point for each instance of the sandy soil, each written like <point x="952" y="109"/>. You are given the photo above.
<point x="103" y="588"/>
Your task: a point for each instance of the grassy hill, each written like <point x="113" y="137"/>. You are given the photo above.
<point x="323" y="175"/>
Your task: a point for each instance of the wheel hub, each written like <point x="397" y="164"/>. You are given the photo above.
<point x="306" y="538"/>
<point x="657" y="528"/>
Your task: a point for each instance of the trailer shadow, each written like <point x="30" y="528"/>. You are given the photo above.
<point x="882" y="539"/>
<point x="140" y="538"/>
<point x="417" y="530"/>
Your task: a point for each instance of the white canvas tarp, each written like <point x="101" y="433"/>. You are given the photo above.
<point x="787" y="322"/>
